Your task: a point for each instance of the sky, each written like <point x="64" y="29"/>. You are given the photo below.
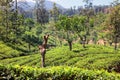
<point x="72" y="3"/>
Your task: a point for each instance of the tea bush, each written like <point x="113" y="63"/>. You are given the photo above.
<point x="91" y="57"/>
<point x="7" y="52"/>
<point x="54" y="73"/>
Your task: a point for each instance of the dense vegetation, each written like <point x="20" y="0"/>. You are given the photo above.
<point x="92" y="57"/>
<point x="54" y="73"/>
<point x="7" y="52"/>
<point x="82" y="45"/>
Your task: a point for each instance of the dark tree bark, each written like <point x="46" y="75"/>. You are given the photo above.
<point x="60" y="43"/>
<point x="83" y="43"/>
<point x="83" y="40"/>
<point x="7" y="27"/>
<point x="70" y="45"/>
<point x="29" y="47"/>
<point x="43" y="59"/>
<point x="42" y="49"/>
<point x="116" y="43"/>
<point x="110" y="43"/>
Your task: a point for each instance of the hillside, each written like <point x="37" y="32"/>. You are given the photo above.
<point x="92" y="57"/>
<point x="80" y="43"/>
<point x="8" y="50"/>
<point x="30" y="5"/>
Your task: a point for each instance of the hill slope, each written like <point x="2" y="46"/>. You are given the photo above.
<point x="30" y="5"/>
<point x="92" y="57"/>
<point x="7" y="52"/>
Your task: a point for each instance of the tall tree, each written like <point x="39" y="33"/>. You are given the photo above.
<point x="114" y="23"/>
<point x="79" y="26"/>
<point x="5" y="12"/>
<point x="41" y="13"/>
<point x="5" y="2"/>
<point x="54" y="12"/>
<point x="88" y="12"/>
<point x="29" y="25"/>
<point x="65" y="24"/>
<point x="115" y="2"/>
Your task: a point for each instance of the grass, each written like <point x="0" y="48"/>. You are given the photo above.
<point x="92" y="57"/>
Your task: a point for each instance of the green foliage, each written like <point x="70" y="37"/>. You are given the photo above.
<point x="54" y="73"/>
<point x="42" y="14"/>
<point x="24" y="35"/>
<point x="54" y="12"/>
<point x="114" y="19"/>
<point x="79" y="24"/>
<point x="5" y="2"/>
<point x="7" y="52"/>
<point x="113" y="23"/>
<point x="91" y="57"/>
<point x="64" y="23"/>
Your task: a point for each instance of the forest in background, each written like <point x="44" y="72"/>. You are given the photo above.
<point x="88" y="23"/>
<point x="76" y="37"/>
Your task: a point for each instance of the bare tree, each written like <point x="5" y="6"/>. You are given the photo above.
<point x="42" y="49"/>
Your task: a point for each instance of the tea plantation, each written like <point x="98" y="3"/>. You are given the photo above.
<point x="62" y="64"/>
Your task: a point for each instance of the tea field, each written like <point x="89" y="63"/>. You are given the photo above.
<point x="91" y="57"/>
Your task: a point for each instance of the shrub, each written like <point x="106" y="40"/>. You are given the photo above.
<point x="54" y="73"/>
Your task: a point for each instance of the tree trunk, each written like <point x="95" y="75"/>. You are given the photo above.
<point x="43" y="50"/>
<point x="115" y="43"/>
<point x="70" y="45"/>
<point x="6" y="38"/>
<point x="83" y="43"/>
<point x="42" y="60"/>
<point x="29" y="47"/>
<point x="84" y="40"/>
<point x="87" y="41"/>
<point x="110" y="43"/>
<point x="115" y="46"/>
<point x="60" y="43"/>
